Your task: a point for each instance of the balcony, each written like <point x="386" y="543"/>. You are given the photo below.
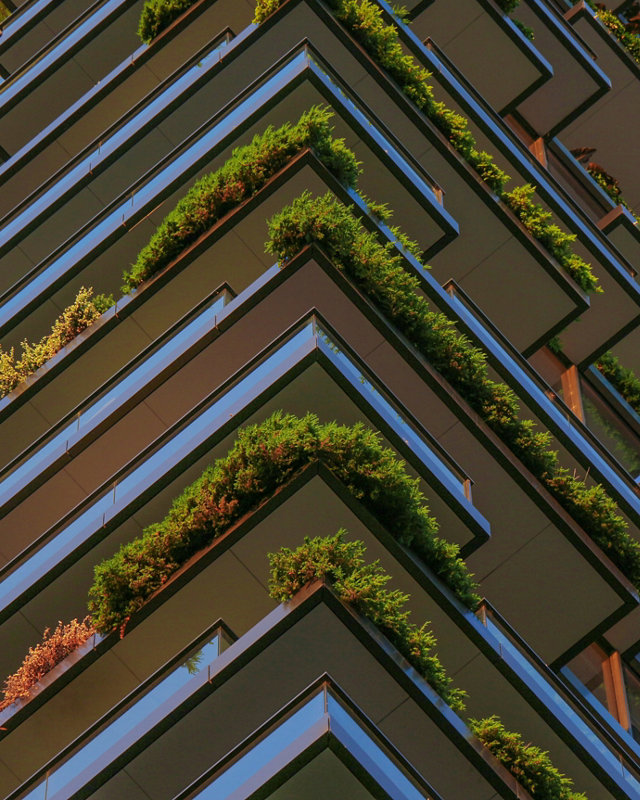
<point x="621" y="103"/>
<point x="457" y="33"/>
<point x="578" y="80"/>
<point x="30" y="28"/>
<point x="65" y="68"/>
<point x="98" y="251"/>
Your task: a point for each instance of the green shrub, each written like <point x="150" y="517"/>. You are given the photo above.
<point x="622" y="378"/>
<point x="508" y="5"/>
<point x="362" y="586"/>
<point x="263" y="458"/>
<point x="85" y="309"/>
<point x="379" y="272"/>
<point x="527" y="30"/>
<point x="530" y="765"/>
<point x="629" y="40"/>
<point x="159" y="14"/>
<point x="365" y="21"/>
<point x="241" y="176"/>
<point x="556" y="241"/>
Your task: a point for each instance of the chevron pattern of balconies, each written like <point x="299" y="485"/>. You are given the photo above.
<point x="196" y="682"/>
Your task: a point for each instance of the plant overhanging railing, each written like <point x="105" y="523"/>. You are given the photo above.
<point x="84" y="311"/>
<point x="362" y="586"/>
<point x="378" y="271"/>
<point x="530" y="765"/>
<point x="364" y="21"/>
<point x="157" y="15"/>
<point x="263" y="458"/>
<point x="43" y="657"/>
<point x="617" y="28"/>
<point x="622" y="378"/>
<point x="240" y="177"/>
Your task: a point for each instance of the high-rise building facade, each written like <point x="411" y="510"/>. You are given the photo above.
<point x="216" y="342"/>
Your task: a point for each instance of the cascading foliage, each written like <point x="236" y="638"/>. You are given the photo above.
<point x="379" y="271"/>
<point x="362" y="585"/>
<point x="365" y="22"/>
<point x="264" y="457"/>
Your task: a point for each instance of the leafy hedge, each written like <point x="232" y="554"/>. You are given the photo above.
<point x="364" y="20"/>
<point x="246" y="171"/>
<point x="159" y="14"/>
<point x="378" y="271"/>
<point x="240" y="177"/>
<point x="85" y="309"/>
<point x="530" y="765"/>
<point x="622" y="378"/>
<point x="627" y="38"/>
<point x="556" y="241"/>
<point x="362" y="585"/>
<point x="264" y="457"/>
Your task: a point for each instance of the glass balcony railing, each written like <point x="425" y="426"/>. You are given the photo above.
<point x="599" y="747"/>
<point x="454" y="478"/>
<point x="276" y="748"/>
<point x="618" y="415"/>
<point x="112" y="144"/>
<point x="173" y="172"/>
<point x="136" y="718"/>
<point x="59" y="49"/>
<point x="545" y="402"/>
<point x="593" y="697"/>
<point x="206" y="425"/>
<point x="631" y="675"/>
<point x="85" y="104"/>
<point x="120" y="390"/>
<point x="604" y="423"/>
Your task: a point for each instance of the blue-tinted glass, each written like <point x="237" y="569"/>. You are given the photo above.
<point x="265" y="750"/>
<point x="119" y="734"/>
<point x="117" y="394"/>
<point x="146" y="474"/>
<point x="374" y="760"/>
<point x="389" y="413"/>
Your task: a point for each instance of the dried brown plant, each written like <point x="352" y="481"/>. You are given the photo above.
<point x="44" y="656"/>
